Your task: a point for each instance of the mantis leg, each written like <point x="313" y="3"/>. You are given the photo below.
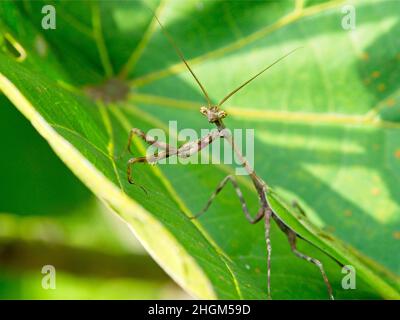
<point x="146" y="138"/>
<point x="152" y="159"/>
<point x="185" y="151"/>
<point x="268" y="214"/>
<point x="239" y="193"/>
<point x="292" y="237"/>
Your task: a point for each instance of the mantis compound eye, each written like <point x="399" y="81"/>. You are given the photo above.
<point x="203" y="110"/>
<point x="222" y="114"/>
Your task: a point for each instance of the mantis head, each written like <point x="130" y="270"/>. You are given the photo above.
<point x="213" y="114"/>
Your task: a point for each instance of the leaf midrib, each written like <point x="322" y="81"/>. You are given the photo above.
<point x="271" y="115"/>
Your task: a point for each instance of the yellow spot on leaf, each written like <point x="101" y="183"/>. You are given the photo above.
<point x="375" y="191"/>
<point x="376" y="178"/>
<point x="390" y="102"/>
<point x="381" y="87"/>
<point x="364" y="56"/>
<point x="348" y="213"/>
<point x="376" y="74"/>
<point x="257" y="270"/>
<point x="397" y="153"/>
<point x="396" y="235"/>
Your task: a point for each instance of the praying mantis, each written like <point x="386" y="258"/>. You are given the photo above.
<point x="215" y="115"/>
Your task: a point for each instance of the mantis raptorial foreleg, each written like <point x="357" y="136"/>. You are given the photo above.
<point x="185" y="151"/>
<point x="148" y="139"/>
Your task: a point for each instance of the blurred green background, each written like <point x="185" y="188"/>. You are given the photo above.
<point x="48" y="217"/>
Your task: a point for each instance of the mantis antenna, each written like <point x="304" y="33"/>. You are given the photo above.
<point x="251" y="79"/>
<point x="179" y="52"/>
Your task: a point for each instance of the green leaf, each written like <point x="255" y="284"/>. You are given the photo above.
<point x="31" y="170"/>
<point x="319" y="136"/>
